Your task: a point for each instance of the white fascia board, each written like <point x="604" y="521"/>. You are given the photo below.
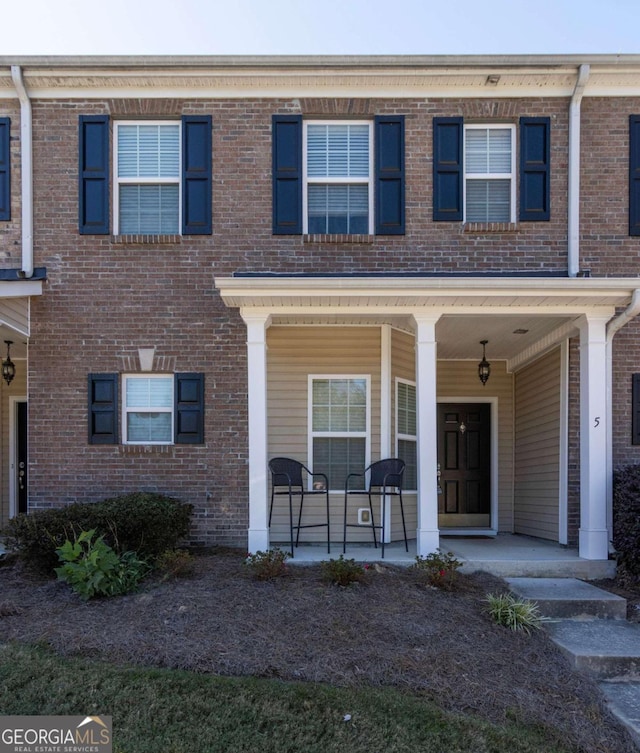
<point x="20" y="289"/>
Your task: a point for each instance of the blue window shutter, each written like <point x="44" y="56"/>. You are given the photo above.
<point x="196" y="175"/>
<point x="535" y="172"/>
<point x="94" y="175"/>
<point x="189" y="408"/>
<point x="634" y="175"/>
<point x="389" y="174"/>
<point x="287" y="174"/>
<point x="103" y="408"/>
<point x="5" y="169"/>
<point x="447" y="169"/>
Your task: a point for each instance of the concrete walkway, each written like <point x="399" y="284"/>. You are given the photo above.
<point x="591" y="628"/>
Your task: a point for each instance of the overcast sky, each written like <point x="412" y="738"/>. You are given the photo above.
<point x="315" y="27"/>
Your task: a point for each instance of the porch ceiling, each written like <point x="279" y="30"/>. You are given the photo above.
<point x="516" y="315"/>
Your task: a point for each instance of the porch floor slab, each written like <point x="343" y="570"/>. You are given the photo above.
<point x="505" y="555"/>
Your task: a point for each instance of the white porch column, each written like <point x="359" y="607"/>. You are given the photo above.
<point x="594" y="537"/>
<point x="257" y="419"/>
<point x="428" y="537"/>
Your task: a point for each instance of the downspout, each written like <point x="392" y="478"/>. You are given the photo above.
<point x="26" y="154"/>
<point x="632" y="310"/>
<point x="573" y="252"/>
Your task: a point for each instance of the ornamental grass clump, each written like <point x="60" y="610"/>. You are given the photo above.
<point x="267" y="565"/>
<point x="514" y="613"/>
<point x="440" y="569"/>
<point x="343" y="572"/>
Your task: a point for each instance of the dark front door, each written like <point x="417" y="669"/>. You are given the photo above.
<point x="21" y="455"/>
<point x="464" y="459"/>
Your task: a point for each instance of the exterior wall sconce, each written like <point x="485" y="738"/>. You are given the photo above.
<point x="484" y="367"/>
<point x="8" y="366"/>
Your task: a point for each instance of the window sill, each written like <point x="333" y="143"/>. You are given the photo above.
<point x="146" y="449"/>
<point x="491" y="227"/>
<point x="147" y="240"/>
<point x="338" y="238"/>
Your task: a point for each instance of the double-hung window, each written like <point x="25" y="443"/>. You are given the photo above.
<point x="489" y="173"/>
<point x="338" y="177"/>
<point x="406" y="437"/>
<point x="147" y="180"/>
<point x="148" y="409"/>
<point x="339" y="421"/>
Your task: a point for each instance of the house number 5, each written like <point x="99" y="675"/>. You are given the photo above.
<point x="597" y="423"/>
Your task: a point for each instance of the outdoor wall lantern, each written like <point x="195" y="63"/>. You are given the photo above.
<point x="8" y="366"/>
<point x="484" y="367"/>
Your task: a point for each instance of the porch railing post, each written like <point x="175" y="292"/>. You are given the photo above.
<point x="428" y="537"/>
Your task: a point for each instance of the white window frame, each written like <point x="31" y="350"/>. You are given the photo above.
<point x="366" y="434"/>
<point x="126" y="410"/>
<point x="153" y="181"/>
<point x="306" y="180"/>
<point x="511" y="176"/>
<point x="406" y="437"/>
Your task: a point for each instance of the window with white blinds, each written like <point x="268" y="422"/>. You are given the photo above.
<point x="489" y="163"/>
<point x="339" y="422"/>
<point x="148" y="409"/>
<point x="338" y="172"/>
<point x="147" y="185"/>
<point x="406" y="437"/>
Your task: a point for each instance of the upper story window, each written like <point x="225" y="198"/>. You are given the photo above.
<point x="161" y="179"/>
<point x="147" y="180"/>
<point x="338" y="178"/>
<point x="474" y="171"/>
<point x="489" y="173"/>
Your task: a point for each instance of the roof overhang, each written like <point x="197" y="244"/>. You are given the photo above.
<point x="493" y="76"/>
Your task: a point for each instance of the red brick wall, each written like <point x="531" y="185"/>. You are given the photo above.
<point x="104" y="299"/>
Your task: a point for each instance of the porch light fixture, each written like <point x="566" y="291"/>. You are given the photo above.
<point x="484" y="367"/>
<point x="8" y="366"/>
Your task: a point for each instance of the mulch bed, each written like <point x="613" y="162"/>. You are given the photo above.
<point x="392" y="630"/>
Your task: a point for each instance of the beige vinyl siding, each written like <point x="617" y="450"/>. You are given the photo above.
<point x="293" y="354"/>
<point x="403" y="366"/>
<point x="460" y="379"/>
<point x="537" y="448"/>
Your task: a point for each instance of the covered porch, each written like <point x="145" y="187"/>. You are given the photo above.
<point x="442" y="322"/>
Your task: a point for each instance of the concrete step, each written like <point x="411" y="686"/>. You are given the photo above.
<point x="606" y="649"/>
<point x="569" y="598"/>
<point x="624" y="701"/>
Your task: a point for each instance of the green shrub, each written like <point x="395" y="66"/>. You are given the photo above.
<point x="439" y="568"/>
<point x="343" y="572"/>
<point x="516" y="614"/>
<point x="267" y="565"/>
<point x="92" y="568"/>
<point x="626" y="519"/>
<point x="145" y="523"/>
<point x="175" y="563"/>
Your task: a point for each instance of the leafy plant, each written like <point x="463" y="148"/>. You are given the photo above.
<point x="92" y="568"/>
<point x="343" y="572"/>
<point x="439" y="568"/>
<point x="175" y="563"/>
<point x="267" y="565"/>
<point x="514" y="613"/>
<point x="145" y="523"/>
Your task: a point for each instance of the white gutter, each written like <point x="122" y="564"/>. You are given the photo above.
<point x="26" y="154"/>
<point x="573" y="230"/>
<point x="632" y="310"/>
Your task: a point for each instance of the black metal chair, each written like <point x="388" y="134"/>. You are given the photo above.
<point x="385" y="478"/>
<point x="288" y="478"/>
